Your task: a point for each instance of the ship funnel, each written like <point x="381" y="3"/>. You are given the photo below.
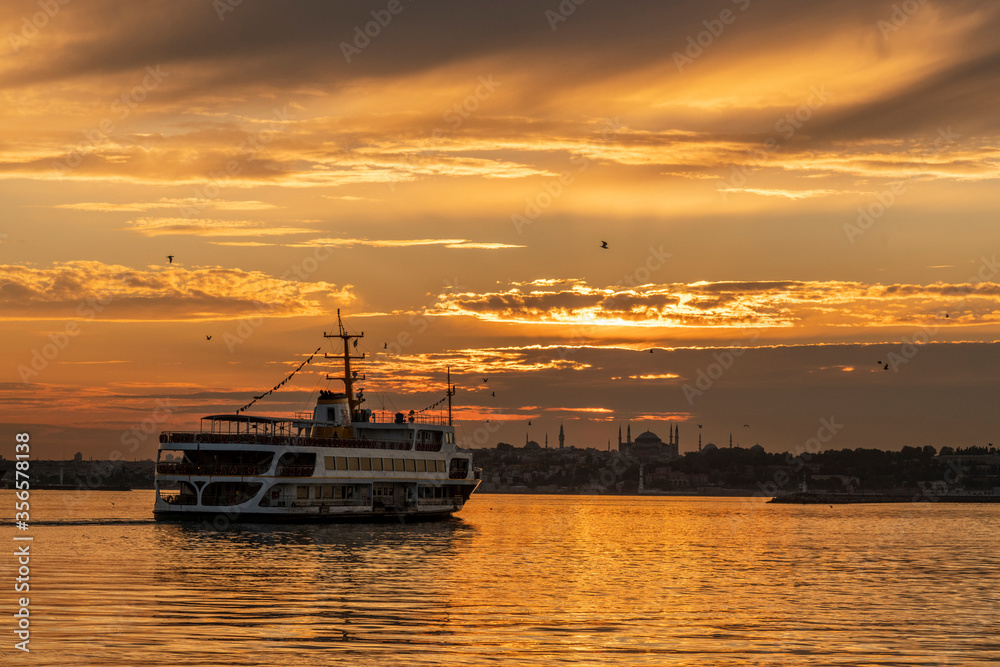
<point x="332" y="414"/>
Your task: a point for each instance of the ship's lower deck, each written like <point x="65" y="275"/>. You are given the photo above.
<point x="224" y="517"/>
<point x="309" y="499"/>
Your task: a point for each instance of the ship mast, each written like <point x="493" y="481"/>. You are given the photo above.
<point x="348" y="379"/>
<point x="451" y="392"/>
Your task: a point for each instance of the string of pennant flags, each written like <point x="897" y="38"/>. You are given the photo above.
<point x="433" y="405"/>
<point x="280" y="384"/>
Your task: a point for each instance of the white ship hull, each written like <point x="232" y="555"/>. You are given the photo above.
<point x="240" y="477"/>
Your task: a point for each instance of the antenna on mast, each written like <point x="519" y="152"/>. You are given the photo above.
<point x="348" y="378"/>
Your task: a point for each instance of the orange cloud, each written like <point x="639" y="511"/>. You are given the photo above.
<point x="203" y="227"/>
<point x="757" y="304"/>
<point x="95" y="291"/>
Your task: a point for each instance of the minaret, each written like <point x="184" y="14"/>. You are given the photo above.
<point x="546" y="441"/>
<point x="730" y="440"/>
<point x="628" y="435"/>
<point x="619" y="437"/>
<point x="699" y="437"/>
<point x="562" y="437"/>
<point x="677" y="438"/>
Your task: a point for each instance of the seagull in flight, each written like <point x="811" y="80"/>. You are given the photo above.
<point x="604" y="244"/>
<point x="385" y="346"/>
<point x="207" y="337"/>
<point x="170" y="259"/>
<point x="493" y="394"/>
<point x="885" y="367"/>
<point x="746" y="426"/>
<point x="486" y="379"/>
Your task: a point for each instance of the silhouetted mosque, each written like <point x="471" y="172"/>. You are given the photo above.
<point x="649" y="445"/>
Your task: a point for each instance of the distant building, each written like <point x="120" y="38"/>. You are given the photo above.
<point x="649" y="445"/>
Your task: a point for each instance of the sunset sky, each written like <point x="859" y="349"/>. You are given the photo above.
<point x="790" y="193"/>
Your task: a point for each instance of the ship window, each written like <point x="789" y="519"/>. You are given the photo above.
<point x="330" y="462"/>
<point x="399" y="465"/>
<point x="341" y="463"/>
<point x="411" y="465"/>
<point x="302" y="492"/>
<point x="440" y="466"/>
<point x="366" y="463"/>
<point x="421" y="466"/>
<point x="352" y="463"/>
<point x="348" y="492"/>
<point x="376" y="464"/>
<point x="338" y="492"/>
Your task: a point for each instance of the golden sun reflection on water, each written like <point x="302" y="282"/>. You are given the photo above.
<point x="522" y="580"/>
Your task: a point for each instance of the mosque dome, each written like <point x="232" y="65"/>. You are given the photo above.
<point x="710" y="447"/>
<point x="648" y="437"/>
<point x="757" y="449"/>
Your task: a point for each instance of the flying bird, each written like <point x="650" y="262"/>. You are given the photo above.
<point x="207" y="337"/>
<point x="486" y="379"/>
<point x="746" y="426"/>
<point x="699" y="425"/>
<point x="355" y="343"/>
<point x="651" y="350"/>
<point x="385" y="346"/>
<point x="885" y="367"/>
<point x="493" y="394"/>
<point x="170" y="259"/>
<point x="604" y="244"/>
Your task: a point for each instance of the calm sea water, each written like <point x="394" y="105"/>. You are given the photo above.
<point x="532" y="580"/>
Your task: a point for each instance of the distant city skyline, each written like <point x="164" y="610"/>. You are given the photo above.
<point x="750" y="213"/>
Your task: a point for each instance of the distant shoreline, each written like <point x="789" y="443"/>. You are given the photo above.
<point x="876" y="498"/>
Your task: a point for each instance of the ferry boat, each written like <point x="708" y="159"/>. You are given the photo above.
<point x="338" y="463"/>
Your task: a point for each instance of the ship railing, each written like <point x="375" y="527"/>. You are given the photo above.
<point x="225" y="500"/>
<point x="180" y="499"/>
<point x="295" y="471"/>
<point x="390" y="418"/>
<point x="332" y="502"/>
<point x="168" y="468"/>
<point x="185" y="437"/>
